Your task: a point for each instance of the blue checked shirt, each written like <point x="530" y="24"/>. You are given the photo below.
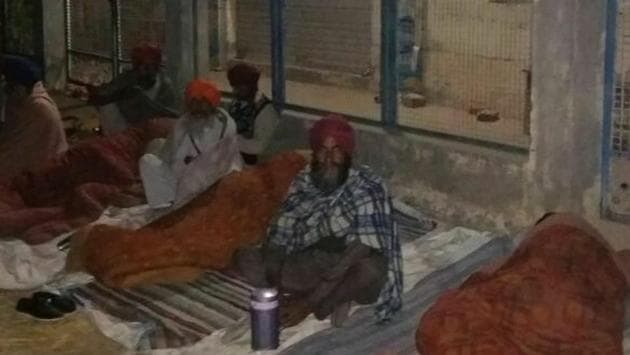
<point x="360" y="209"/>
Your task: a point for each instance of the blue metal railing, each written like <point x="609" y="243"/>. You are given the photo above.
<point x="278" y="88"/>
<point x="389" y="60"/>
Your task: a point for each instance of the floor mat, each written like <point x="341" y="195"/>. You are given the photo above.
<point x="173" y="315"/>
<point x="178" y="315"/>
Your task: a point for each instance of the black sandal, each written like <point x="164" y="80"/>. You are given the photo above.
<point x="61" y="303"/>
<point x="37" y="310"/>
<point x="46" y="306"/>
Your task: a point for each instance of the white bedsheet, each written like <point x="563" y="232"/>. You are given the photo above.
<point x="25" y="267"/>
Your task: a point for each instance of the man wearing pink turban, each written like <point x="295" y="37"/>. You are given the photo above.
<point x="334" y="239"/>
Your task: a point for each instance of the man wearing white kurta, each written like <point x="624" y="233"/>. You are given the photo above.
<point x="202" y="148"/>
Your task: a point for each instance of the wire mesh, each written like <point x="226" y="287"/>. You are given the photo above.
<point x="89" y="40"/>
<point x="465" y="57"/>
<point x="470" y="60"/>
<point x="21" y="28"/>
<point x="621" y="102"/>
<point x="142" y="21"/>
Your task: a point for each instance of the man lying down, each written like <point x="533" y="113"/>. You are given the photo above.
<point x="333" y="241"/>
<point x="562" y="291"/>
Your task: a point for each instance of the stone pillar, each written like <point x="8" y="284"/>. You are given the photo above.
<point x="567" y="97"/>
<point x="226" y="27"/>
<point x="187" y="41"/>
<point x="54" y="42"/>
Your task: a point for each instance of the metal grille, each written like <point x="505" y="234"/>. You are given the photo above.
<point x="22" y="28"/>
<point x="621" y="108"/>
<point x="141" y="21"/>
<point x="91" y="41"/>
<point x="471" y="60"/>
<point x="101" y="33"/>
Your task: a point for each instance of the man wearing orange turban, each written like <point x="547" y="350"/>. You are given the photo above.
<point x="136" y="95"/>
<point x="202" y="148"/>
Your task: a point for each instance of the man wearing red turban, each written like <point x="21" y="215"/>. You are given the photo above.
<point x="256" y="118"/>
<point x="202" y="148"/>
<point x="334" y="238"/>
<point x="136" y="95"/>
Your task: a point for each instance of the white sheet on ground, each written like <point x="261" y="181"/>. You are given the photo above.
<point x="26" y="267"/>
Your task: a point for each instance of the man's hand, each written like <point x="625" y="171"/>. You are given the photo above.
<point x="354" y="252"/>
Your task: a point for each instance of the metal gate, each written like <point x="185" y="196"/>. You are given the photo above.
<point x="99" y="22"/>
<point x="22" y="31"/>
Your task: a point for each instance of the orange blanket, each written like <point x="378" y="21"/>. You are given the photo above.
<point x="201" y="235"/>
<point x="560" y="293"/>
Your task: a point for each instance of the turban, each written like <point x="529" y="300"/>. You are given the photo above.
<point x="243" y="74"/>
<point x="203" y="90"/>
<point x="146" y="55"/>
<point x="20" y="70"/>
<point x="334" y="126"/>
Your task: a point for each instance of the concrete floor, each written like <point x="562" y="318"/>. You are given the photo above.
<point x="73" y="335"/>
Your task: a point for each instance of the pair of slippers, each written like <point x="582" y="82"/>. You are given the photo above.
<point x="46" y="306"/>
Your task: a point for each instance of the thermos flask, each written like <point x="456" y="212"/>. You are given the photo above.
<point x="265" y="319"/>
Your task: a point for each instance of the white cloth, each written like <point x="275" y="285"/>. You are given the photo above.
<point x="196" y="154"/>
<point x="25" y="267"/>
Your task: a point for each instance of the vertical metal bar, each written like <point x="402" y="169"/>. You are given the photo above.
<point x="609" y="88"/>
<point x="277" y="53"/>
<point x="389" y="59"/>
<point x="116" y="37"/>
<point x="68" y="30"/>
<point x="222" y="27"/>
<point x="5" y="26"/>
<point x="195" y="38"/>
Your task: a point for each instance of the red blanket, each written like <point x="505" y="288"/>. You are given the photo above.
<point x="75" y="188"/>
<point x="560" y="293"/>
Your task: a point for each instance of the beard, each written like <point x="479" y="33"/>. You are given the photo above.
<point x="328" y="178"/>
